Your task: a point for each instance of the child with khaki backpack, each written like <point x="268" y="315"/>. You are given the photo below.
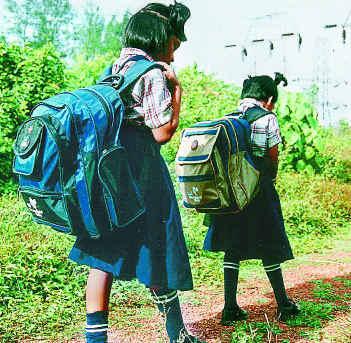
<point x="258" y="231"/>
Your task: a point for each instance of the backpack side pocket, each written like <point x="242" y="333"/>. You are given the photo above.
<point x="122" y="195"/>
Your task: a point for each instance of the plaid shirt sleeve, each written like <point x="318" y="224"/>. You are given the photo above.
<point x="154" y="98"/>
<point x="273" y="132"/>
<point x="265" y="134"/>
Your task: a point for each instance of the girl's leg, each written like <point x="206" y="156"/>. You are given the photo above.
<point x="231" y="311"/>
<point x="167" y="302"/>
<point x="275" y="277"/>
<point x="286" y="307"/>
<point x="97" y="299"/>
<point x="231" y="276"/>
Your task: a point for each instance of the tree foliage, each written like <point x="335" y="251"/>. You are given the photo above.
<point x="97" y="36"/>
<point x="40" y="22"/>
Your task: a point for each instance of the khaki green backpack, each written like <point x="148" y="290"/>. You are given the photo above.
<point x="214" y="168"/>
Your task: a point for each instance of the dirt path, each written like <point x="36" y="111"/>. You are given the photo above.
<point x="201" y="308"/>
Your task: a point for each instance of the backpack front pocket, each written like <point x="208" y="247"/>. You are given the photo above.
<point x="122" y="194"/>
<point x="200" y="173"/>
<point x="27" y="148"/>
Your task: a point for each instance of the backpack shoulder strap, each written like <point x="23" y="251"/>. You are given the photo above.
<point x="255" y="113"/>
<point x="107" y="73"/>
<point x="139" y="68"/>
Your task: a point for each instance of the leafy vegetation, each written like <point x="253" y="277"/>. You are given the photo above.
<point x="39" y="23"/>
<point x="96" y="36"/>
<point x="87" y="72"/>
<point x="300" y="131"/>
<point x="58" y="23"/>
<point x="27" y="76"/>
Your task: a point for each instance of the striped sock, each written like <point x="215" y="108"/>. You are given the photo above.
<point x="167" y="302"/>
<point x="96" y="327"/>
<point x="231" y="275"/>
<point x="275" y="277"/>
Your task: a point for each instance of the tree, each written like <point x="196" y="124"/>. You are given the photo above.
<point x="90" y="32"/>
<point x="112" y="40"/>
<point x="40" y="22"/>
<point x="97" y="36"/>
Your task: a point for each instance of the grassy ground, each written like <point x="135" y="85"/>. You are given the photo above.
<point x="44" y="293"/>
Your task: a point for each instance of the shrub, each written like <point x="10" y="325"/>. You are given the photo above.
<point x="26" y="76"/>
<point x="86" y="72"/>
<point x="300" y="132"/>
<point x="335" y="156"/>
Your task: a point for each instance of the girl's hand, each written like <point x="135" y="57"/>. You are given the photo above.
<point x="170" y="74"/>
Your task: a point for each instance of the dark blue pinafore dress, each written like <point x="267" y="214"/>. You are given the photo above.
<point x="258" y="232"/>
<point x="152" y="249"/>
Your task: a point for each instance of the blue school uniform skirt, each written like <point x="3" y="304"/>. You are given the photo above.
<point x="151" y="249"/>
<point x="257" y="232"/>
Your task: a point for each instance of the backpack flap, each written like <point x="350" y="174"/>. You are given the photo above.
<point x="199" y="169"/>
<point x="197" y="145"/>
<point x="27" y="147"/>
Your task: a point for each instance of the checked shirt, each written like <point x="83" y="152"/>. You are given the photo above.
<point x="150" y="102"/>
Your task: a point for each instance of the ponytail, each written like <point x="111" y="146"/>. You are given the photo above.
<point x="278" y="78"/>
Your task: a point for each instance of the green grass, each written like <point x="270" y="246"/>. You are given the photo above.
<point x="324" y="290"/>
<point x="312" y="314"/>
<point x="255" y="332"/>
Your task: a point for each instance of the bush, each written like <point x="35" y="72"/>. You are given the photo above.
<point x="335" y="156"/>
<point x="26" y="77"/>
<point x="86" y="72"/>
<point x="300" y="132"/>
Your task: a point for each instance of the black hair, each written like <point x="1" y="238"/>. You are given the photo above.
<point x="151" y="28"/>
<point x="263" y="87"/>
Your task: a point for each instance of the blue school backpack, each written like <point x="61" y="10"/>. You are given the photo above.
<point x="214" y="168"/>
<point x="73" y="172"/>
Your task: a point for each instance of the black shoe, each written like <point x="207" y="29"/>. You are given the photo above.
<point x="288" y="311"/>
<point x="230" y="315"/>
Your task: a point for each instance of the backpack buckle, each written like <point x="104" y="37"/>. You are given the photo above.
<point x="117" y="81"/>
<point x="114" y="80"/>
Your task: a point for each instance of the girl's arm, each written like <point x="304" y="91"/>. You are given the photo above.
<point x="164" y="133"/>
<point x="273" y="154"/>
<point x="273" y="140"/>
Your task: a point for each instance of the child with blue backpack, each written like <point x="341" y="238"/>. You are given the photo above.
<point x="152" y="249"/>
<point x="258" y="231"/>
